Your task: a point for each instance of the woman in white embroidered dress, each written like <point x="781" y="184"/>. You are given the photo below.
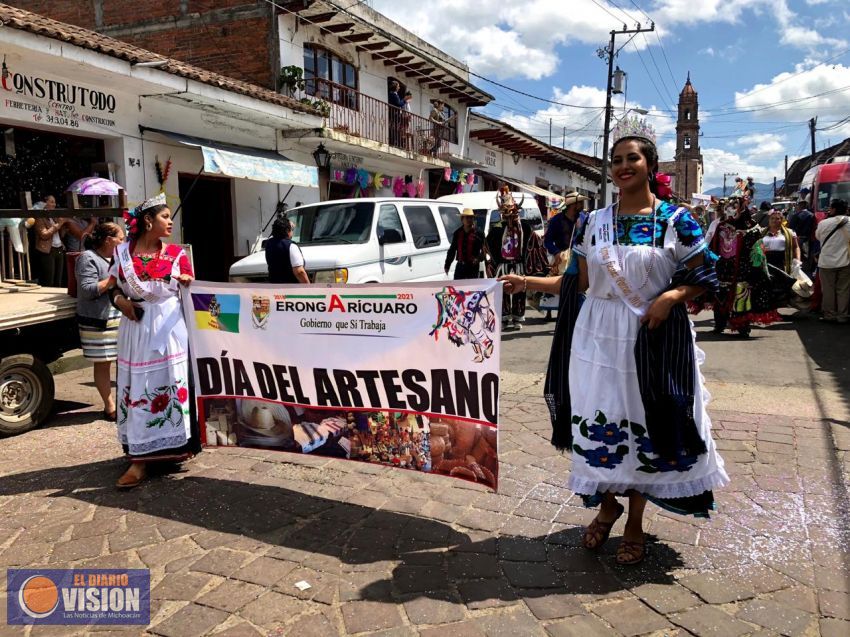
<point x="627" y="256"/>
<point x="153" y="370"/>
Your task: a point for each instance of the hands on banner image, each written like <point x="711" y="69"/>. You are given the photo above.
<point x="403" y="376"/>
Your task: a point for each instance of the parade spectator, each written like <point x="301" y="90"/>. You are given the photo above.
<point x="49" y="251"/>
<point x="76" y="230"/>
<point x="761" y="216"/>
<point x="619" y="417"/>
<point x="468" y="246"/>
<point x="802" y="222"/>
<point x="283" y="256"/>
<point x="438" y="124"/>
<point x="405" y="134"/>
<point x="396" y="102"/>
<point x="154" y="423"/>
<point x="559" y="232"/>
<point x="834" y="263"/>
<point x="97" y="319"/>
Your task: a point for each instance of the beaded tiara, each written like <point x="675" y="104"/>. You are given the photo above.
<point x="632" y="127"/>
<point x="159" y="200"/>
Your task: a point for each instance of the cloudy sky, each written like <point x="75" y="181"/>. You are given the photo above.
<point x="762" y="68"/>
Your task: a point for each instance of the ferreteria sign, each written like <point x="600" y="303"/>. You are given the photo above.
<point x="405" y="376"/>
<point x="57" y="102"/>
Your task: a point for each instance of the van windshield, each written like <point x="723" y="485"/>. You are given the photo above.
<point x="333" y="223"/>
<point x="828" y="192"/>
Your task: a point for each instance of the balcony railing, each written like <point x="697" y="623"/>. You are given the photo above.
<point x="360" y="115"/>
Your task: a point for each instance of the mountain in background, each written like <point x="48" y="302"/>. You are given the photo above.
<point x="764" y="192"/>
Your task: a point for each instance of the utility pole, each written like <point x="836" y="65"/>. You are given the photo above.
<point x="564" y="141"/>
<point x="785" y="178"/>
<point x="610" y="53"/>
<point x="812" y="123"/>
<point x="550" y="131"/>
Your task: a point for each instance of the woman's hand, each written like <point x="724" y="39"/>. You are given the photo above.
<point x="127" y="307"/>
<point x="658" y="311"/>
<point x="513" y="283"/>
<point x="185" y="279"/>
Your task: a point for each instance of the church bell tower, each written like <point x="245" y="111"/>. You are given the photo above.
<point x="688" y="158"/>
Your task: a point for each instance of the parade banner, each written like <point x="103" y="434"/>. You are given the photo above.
<point x="403" y="375"/>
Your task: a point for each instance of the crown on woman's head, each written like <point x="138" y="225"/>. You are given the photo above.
<point x="632" y="127"/>
<point x="159" y="200"/>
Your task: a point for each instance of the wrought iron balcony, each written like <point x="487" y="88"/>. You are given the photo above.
<point x="359" y="115"/>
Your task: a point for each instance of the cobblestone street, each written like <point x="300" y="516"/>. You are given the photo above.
<point x="394" y="553"/>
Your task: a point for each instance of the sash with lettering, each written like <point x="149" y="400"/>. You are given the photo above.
<point x="608" y="252"/>
<point x="156" y="293"/>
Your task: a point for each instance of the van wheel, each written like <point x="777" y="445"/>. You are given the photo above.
<point x="26" y="393"/>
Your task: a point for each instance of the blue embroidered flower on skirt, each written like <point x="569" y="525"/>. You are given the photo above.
<point x="682" y="463"/>
<point x="644" y="444"/>
<point x="609" y="434"/>
<point x="602" y="457"/>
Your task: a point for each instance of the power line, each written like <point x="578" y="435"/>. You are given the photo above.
<point x="654" y="85"/>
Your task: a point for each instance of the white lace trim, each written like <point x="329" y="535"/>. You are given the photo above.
<point x="664" y="490"/>
<point x="172" y="442"/>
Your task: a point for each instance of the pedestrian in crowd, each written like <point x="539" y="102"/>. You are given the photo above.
<point x="468" y="246"/>
<point x="761" y="216"/>
<point x="630" y="432"/>
<point x="396" y="102"/>
<point x="283" y="256"/>
<point x="154" y="423"/>
<point x="782" y="251"/>
<point x="97" y="318"/>
<point x="802" y="222"/>
<point x="76" y="231"/>
<point x="738" y="190"/>
<point x="750" y="190"/>
<point x="834" y="263"/>
<point x="560" y="231"/>
<point x="744" y="297"/>
<point x="49" y="251"/>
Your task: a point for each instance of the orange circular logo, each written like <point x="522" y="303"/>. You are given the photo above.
<point x="38" y="596"/>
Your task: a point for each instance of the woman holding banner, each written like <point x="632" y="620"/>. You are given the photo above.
<point x="153" y="369"/>
<point x="634" y="410"/>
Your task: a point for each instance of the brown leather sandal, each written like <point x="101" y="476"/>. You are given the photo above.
<point x="126" y="482"/>
<point x="597" y="533"/>
<point x="630" y="553"/>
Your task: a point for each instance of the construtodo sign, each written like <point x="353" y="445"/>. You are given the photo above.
<point x="78" y="596"/>
<point x="405" y="376"/>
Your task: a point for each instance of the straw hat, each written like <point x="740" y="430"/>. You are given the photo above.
<point x="573" y="197"/>
<point x="467" y="212"/>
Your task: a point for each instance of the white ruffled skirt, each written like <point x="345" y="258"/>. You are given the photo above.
<point x="611" y="451"/>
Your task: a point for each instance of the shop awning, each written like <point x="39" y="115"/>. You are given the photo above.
<point x="534" y="190"/>
<point x="242" y="162"/>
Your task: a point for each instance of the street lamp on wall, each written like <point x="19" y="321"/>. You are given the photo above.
<point x="323" y="162"/>
<point x="322" y="157"/>
<point x="516" y="157"/>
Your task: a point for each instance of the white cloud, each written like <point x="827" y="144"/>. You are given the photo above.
<point x="762" y="146"/>
<point x="781" y="98"/>
<point x="718" y="161"/>
<point x="520" y="39"/>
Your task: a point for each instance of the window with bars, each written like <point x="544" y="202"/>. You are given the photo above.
<point x="329" y="77"/>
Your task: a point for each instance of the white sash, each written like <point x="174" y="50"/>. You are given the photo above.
<point x="139" y="289"/>
<point x="608" y="256"/>
<point x="162" y="322"/>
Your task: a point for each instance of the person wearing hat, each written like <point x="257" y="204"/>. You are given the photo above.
<point x="561" y="228"/>
<point x="467" y="246"/>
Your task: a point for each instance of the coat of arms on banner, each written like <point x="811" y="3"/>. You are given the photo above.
<point x="468" y="319"/>
<point x="260" y="310"/>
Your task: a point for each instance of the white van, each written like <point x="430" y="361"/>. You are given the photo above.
<point x="367" y="240"/>
<point x="487" y="212"/>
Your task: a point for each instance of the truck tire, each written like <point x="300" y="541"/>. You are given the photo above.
<point x="26" y="393"/>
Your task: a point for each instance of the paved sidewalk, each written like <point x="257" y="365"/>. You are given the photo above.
<point x="393" y="553"/>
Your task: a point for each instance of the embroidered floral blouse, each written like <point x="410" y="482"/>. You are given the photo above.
<point x="160" y="267"/>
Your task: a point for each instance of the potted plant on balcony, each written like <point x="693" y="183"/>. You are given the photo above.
<point x="291" y="79"/>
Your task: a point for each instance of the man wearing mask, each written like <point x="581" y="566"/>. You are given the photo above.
<point x="468" y="246"/>
<point x="283" y="256"/>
